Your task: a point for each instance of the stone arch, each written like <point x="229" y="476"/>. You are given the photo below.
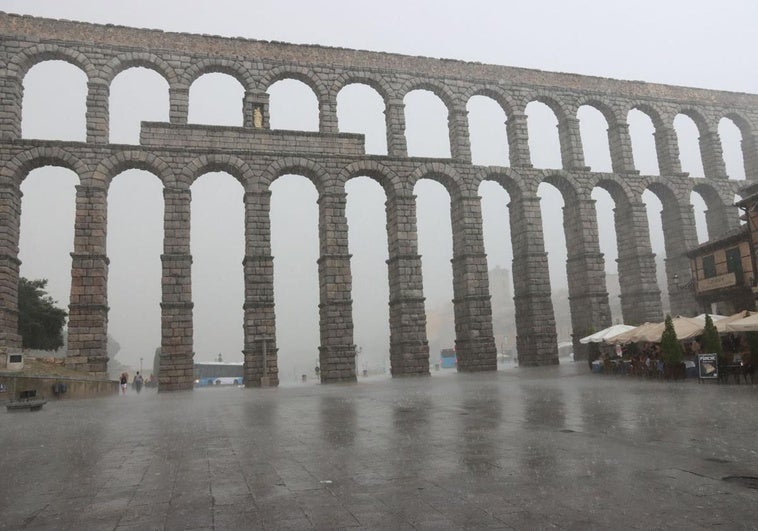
<point x="558" y="108"/>
<point x="651" y="111"/>
<point x="748" y="148"/>
<point x="709" y="194"/>
<point x="696" y="116"/>
<point x="506" y="102"/>
<point x="297" y="166"/>
<point x="714" y="206"/>
<point x="647" y="140"/>
<point x="442" y="174"/>
<point x="605" y="147"/>
<point x="139" y="59"/>
<point x="488" y="114"/>
<point x="363" y="78"/>
<point x="667" y="196"/>
<point x="443" y="138"/>
<point x="611" y="114"/>
<point x="16" y="170"/>
<point x="511" y="181"/>
<point x="139" y="160"/>
<point x="386" y="177"/>
<point x="438" y="89"/>
<point x="297" y="73"/>
<point x="742" y="123"/>
<point x="560" y="180"/>
<point x="236" y="167"/>
<point x="368" y="113"/>
<point x="25" y="60"/>
<point x="546" y="141"/>
<point x="220" y="66"/>
<point x="618" y="189"/>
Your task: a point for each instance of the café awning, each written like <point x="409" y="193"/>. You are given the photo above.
<point x="606" y="333"/>
<point x="746" y="324"/>
<point x="685" y="328"/>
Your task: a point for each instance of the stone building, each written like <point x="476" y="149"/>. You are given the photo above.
<point x="724" y="269"/>
<point x="178" y="153"/>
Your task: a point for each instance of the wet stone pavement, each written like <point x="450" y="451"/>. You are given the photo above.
<point x="544" y="448"/>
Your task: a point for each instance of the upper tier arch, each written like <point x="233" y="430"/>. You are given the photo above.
<point x="22" y="62"/>
<point x="147" y="60"/>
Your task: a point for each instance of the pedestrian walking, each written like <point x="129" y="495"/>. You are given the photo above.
<point x="138" y="382"/>
<point x="123" y="381"/>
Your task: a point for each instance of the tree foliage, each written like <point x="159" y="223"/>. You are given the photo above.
<point x="670" y="346"/>
<point x="40" y="322"/>
<point x="711" y="342"/>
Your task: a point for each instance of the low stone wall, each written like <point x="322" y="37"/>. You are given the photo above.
<point x="75" y="387"/>
<point x="223" y="138"/>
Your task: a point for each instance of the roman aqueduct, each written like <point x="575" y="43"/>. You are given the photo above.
<point x="178" y="152"/>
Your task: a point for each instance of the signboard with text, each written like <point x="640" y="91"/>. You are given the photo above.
<point x="719" y="282"/>
<point x="708" y="366"/>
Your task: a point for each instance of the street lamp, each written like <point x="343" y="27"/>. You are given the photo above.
<point x="140" y="365"/>
<point x="689" y="285"/>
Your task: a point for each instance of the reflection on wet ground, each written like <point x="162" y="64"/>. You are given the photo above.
<point x="522" y="449"/>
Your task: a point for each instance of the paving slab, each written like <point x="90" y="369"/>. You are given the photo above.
<point x="538" y="448"/>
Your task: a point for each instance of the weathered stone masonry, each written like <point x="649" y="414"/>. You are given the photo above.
<point x="178" y="153"/>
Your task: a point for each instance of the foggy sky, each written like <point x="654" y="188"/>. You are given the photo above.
<point x="682" y="43"/>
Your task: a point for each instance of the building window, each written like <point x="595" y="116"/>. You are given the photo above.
<point x="734" y="263"/>
<point x="733" y="260"/>
<point x="709" y="266"/>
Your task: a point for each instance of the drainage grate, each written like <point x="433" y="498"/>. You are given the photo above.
<point x="717" y="460"/>
<point x="750" y="482"/>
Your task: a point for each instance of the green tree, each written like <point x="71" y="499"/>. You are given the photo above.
<point x="40" y="322"/>
<point x="670" y="346"/>
<point x="711" y="341"/>
<point x="712" y="344"/>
